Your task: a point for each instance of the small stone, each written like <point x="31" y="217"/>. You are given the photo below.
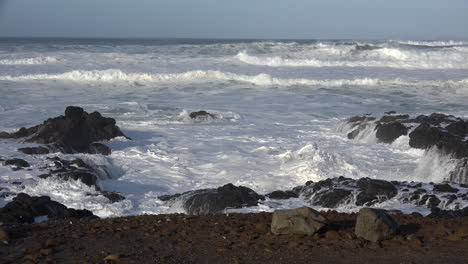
<point x="302" y="220"/>
<point x="112" y="257"/>
<point x="46" y="251"/>
<point x="50" y="243"/>
<point x="4" y="237"/>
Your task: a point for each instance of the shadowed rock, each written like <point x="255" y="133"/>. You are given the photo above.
<point x="282" y="195"/>
<point x="210" y="201"/>
<point x="373" y="191"/>
<point x="374" y="225"/>
<point x="388" y="132"/>
<point x="17" y="162"/>
<point x="304" y="221"/>
<point x="72" y="133"/>
<point x="24" y="209"/>
<point x="201" y="115"/>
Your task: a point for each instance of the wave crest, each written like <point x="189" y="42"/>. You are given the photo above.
<point x="29" y="61"/>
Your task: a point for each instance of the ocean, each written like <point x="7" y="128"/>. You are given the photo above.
<point x="279" y="106"/>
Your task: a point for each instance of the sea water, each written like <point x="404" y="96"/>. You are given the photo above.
<point x="279" y="106"/>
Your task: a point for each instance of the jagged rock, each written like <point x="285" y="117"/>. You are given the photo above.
<point x="436" y="119"/>
<point x="211" y="201"/>
<point x="201" y="115"/>
<point x="74" y="132"/>
<point x="302" y="220"/>
<point x="460" y="173"/>
<point x="445" y="187"/>
<point x="388" y="132"/>
<point x="373" y="191"/>
<point x="282" y="195"/>
<point x="24" y="208"/>
<point x="17" y="162"/>
<point x="374" y="225"/>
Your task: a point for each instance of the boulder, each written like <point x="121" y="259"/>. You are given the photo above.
<point x="448" y="214"/>
<point x="388" y="132"/>
<point x="75" y="169"/>
<point x="25" y="208"/>
<point x="282" y="195"/>
<point x="392" y="118"/>
<point x="302" y="220"/>
<point x="374" y="225"/>
<point x="211" y="201"/>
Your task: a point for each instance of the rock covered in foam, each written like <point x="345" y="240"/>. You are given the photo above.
<point x="445" y="133"/>
<point x="201" y="115"/>
<point x="25" y="208"/>
<point x="211" y="201"/>
<point x="336" y="192"/>
<point x="74" y="132"/>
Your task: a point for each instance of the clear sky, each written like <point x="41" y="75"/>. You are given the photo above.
<point x="319" y="19"/>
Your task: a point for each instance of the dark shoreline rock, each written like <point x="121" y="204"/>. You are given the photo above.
<point x="445" y="133"/>
<point x="75" y="132"/>
<point x="212" y="201"/>
<point x="25" y="208"/>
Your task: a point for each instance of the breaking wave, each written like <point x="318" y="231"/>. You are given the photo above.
<point x="263" y="79"/>
<point x="29" y="61"/>
<point x="364" y="56"/>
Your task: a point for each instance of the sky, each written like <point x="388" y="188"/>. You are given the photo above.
<point x="276" y="19"/>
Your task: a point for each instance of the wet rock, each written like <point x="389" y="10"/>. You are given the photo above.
<point x="436" y="119"/>
<point x="373" y="191"/>
<point x="18" y="163"/>
<point x="388" y="132"/>
<point x="72" y="133"/>
<point x="393" y="118"/>
<point x="211" y="201"/>
<point x="24" y="208"/>
<point x="445" y="187"/>
<point x="459" y="128"/>
<point x="448" y="214"/>
<point x="113" y="196"/>
<point x="374" y="225"/>
<point x="460" y="173"/>
<point x="34" y="150"/>
<point x="302" y="220"/>
<point x="202" y="115"/>
<point x="430" y="201"/>
<point x="282" y="195"/>
<point x="331" y="198"/>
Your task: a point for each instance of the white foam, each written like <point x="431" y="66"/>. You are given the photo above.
<point x="382" y="57"/>
<point x="29" y="61"/>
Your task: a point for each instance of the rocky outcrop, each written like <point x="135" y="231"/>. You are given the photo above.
<point x="211" y="201"/>
<point x="336" y="192"/>
<point x="303" y="221"/>
<point x="374" y="225"/>
<point x="76" y="131"/>
<point x="17" y="163"/>
<point x="25" y="208"/>
<point x="446" y="133"/>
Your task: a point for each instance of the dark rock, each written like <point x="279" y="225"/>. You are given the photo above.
<point x="393" y="118"/>
<point x="459" y="128"/>
<point x="210" y="201"/>
<point x="304" y="220"/>
<point x="98" y="148"/>
<point x="430" y="201"/>
<point x="113" y="196"/>
<point x="445" y="187"/>
<point x="374" y="225"/>
<point x="17" y="162"/>
<point x="24" y="208"/>
<point x="202" y="115"/>
<point x="460" y="173"/>
<point x="282" y="195"/>
<point x="330" y="198"/>
<point x="388" y="132"/>
<point x="373" y="191"/>
<point x="34" y="150"/>
<point x="74" y="132"/>
<point x="448" y="214"/>
<point x="435" y="119"/>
